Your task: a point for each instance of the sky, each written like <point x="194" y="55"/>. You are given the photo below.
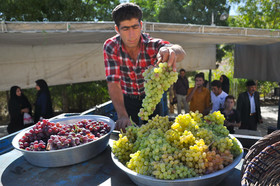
<point x="233" y="10"/>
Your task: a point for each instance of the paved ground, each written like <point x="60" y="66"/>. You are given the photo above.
<point x="269" y="114"/>
<point x="270" y="117"/>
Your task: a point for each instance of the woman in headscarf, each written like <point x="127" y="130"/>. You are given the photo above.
<point x="17" y="106"/>
<point x="225" y="83"/>
<point x="43" y="104"/>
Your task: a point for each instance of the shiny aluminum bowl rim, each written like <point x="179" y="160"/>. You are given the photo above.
<point x="19" y="135"/>
<point x="225" y="170"/>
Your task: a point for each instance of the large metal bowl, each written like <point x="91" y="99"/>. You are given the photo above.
<point x="209" y="179"/>
<point x="68" y="156"/>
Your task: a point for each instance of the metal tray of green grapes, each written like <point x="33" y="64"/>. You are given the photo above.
<point x="56" y="150"/>
<point x="146" y="156"/>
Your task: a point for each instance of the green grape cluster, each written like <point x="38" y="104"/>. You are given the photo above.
<point x="188" y="147"/>
<point x="122" y="148"/>
<point x="161" y="124"/>
<point x="157" y="80"/>
<point x="235" y="150"/>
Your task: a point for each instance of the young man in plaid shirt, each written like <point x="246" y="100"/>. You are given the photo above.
<point x="126" y="56"/>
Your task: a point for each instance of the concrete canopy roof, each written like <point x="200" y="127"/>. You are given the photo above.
<point x="48" y="33"/>
<point x="71" y="52"/>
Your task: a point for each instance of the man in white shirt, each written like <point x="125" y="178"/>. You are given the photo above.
<point x="218" y="96"/>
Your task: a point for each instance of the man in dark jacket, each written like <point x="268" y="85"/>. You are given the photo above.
<point x="180" y="91"/>
<point x="248" y="105"/>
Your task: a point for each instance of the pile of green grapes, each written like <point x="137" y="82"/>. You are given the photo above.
<point x="191" y="146"/>
<point x="157" y="80"/>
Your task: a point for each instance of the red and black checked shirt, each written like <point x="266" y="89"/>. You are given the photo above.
<point x="119" y="66"/>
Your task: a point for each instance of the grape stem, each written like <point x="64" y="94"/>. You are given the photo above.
<point x="210" y="144"/>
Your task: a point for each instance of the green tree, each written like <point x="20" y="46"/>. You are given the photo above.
<point x="172" y="11"/>
<point x="200" y="12"/>
<point x="74" y="97"/>
<point x="266" y="88"/>
<point x="182" y="11"/>
<point x="150" y="9"/>
<point x="257" y="14"/>
<point x="56" y="10"/>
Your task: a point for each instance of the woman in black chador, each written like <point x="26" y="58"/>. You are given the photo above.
<point x="225" y="83"/>
<point x="43" y="104"/>
<point x="17" y="106"/>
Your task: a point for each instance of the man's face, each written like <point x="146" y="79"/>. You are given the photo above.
<point x="252" y="89"/>
<point x="130" y="32"/>
<point x="217" y="91"/>
<point x="199" y="81"/>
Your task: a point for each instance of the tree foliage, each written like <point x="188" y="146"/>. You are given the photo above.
<point x="74" y="97"/>
<point x="56" y="10"/>
<point x="257" y="14"/>
<point x="184" y="11"/>
<point x="266" y="87"/>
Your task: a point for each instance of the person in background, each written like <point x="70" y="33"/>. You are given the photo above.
<point x="180" y="91"/>
<point x="18" y="105"/>
<point x="225" y="83"/>
<point x="126" y="56"/>
<point x="199" y="96"/>
<point x="43" y="104"/>
<point x="206" y="84"/>
<point x="232" y="116"/>
<point x="248" y="105"/>
<point x="218" y="96"/>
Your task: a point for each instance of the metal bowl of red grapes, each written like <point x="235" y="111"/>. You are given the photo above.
<point x="66" y="141"/>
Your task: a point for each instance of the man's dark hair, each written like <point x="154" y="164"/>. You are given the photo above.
<point x="250" y="83"/>
<point x="216" y="83"/>
<point x="230" y="97"/>
<point x="199" y="75"/>
<point x="126" y="11"/>
<point x="182" y="70"/>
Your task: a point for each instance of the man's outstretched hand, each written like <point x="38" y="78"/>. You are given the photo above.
<point x="168" y="55"/>
<point x="122" y="123"/>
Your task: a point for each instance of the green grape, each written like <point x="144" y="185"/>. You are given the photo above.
<point x="179" y="149"/>
<point x="157" y="80"/>
<point x="122" y="148"/>
<point x="235" y="150"/>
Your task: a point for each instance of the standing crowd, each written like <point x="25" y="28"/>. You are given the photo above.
<point x="20" y="109"/>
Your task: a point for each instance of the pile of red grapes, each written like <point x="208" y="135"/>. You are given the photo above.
<point x="46" y="135"/>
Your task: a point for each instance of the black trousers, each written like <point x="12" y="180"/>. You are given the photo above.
<point x="133" y="106"/>
<point x="251" y="123"/>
